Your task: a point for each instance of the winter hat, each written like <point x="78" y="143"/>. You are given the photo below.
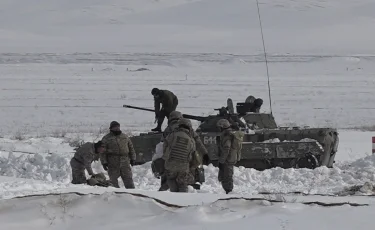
<point x="114" y="124"/>
<point x="155" y="91"/>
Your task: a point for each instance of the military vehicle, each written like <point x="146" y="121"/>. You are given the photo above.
<point x="265" y="145"/>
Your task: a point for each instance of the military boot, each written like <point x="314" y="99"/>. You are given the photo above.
<point x="196" y="186"/>
<point x="163" y="183"/>
<point x="160" y="122"/>
<point x="157" y="129"/>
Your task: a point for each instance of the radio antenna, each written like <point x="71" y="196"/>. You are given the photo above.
<point x="265" y="56"/>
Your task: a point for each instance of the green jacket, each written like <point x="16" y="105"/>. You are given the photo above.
<point x="168" y="100"/>
<point x="120" y="145"/>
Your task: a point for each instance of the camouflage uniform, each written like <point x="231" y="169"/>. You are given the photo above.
<point x="169" y="103"/>
<point x="173" y="124"/>
<point x="178" y="149"/>
<point x="174" y="117"/>
<point x="200" y="146"/>
<point x="82" y="160"/>
<point x="233" y="119"/>
<point x="118" y="155"/>
<point x="228" y="154"/>
<point x="197" y="159"/>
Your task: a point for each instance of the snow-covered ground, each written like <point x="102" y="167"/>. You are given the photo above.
<point x="111" y="211"/>
<point x="46" y="162"/>
<point x="67" y="67"/>
<point x="41" y="95"/>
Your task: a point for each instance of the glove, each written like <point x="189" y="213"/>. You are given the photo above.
<point x="105" y="166"/>
<point x="132" y="162"/>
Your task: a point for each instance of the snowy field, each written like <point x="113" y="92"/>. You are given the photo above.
<point x="67" y="67"/>
<point x="51" y="94"/>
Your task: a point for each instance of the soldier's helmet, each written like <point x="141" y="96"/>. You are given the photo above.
<point x="99" y="144"/>
<point x="183" y="122"/>
<point x="223" y="123"/>
<point x="175" y="115"/>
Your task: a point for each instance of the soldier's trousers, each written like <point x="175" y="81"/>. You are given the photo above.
<point x="165" y="113"/>
<point x="163" y="183"/>
<point x="120" y="167"/>
<point x="178" y="181"/>
<point x="78" y="172"/>
<point x="226" y="176"/>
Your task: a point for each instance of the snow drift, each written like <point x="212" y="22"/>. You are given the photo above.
<point x="52" y="170"/>
<point x="70" y="211"/>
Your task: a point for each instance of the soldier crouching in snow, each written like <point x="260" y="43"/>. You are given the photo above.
<point x="83" y="158"/>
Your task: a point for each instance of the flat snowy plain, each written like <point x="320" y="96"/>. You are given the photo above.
<point x="67" y="67"/>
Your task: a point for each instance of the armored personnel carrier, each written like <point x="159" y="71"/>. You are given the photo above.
<point x="265" y="145"/>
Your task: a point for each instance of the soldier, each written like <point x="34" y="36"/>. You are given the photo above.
<point x="119" y="156"/>
<point x="177" y="153"/>
<point x="230" y="146"/>
<point x="83" y="158"/>
<point x="174" y="118"/>
<point x="235" y="122"/>
<point x="169" y="103"/>
<point x="255" y="104"/>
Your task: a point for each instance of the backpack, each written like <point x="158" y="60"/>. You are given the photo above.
<point x="99" y="180"/>
<point x="237" y="144"/>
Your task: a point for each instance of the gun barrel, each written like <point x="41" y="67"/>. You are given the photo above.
<point x="139" y="108"/>
<point x="187" y="116"/>
<point x="192" y="117"/>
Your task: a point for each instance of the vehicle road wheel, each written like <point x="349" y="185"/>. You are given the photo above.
<point x="309" y="161"/>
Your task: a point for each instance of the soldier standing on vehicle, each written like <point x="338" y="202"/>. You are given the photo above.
<point x="119" y="156"/>
<point x="83" y="158"/>
<point x="169" y="103"/>
<point x="230" y="147"/>
<point x="177" y="152"/>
